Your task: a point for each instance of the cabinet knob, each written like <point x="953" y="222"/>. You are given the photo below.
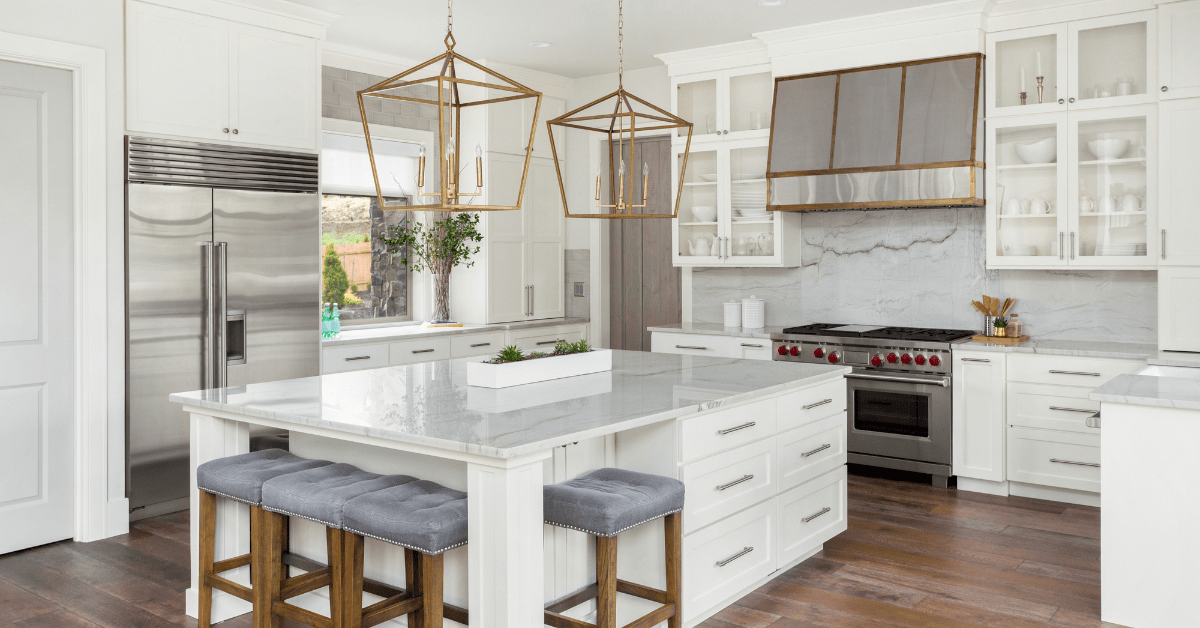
<point x="725" y="132"/>
<point x="224" y="130"/>
<point x="1061" y="101"/>
<point x="1072" y="100"/>
<point x="235" y="131"/>
<point x="1164" y="88"/>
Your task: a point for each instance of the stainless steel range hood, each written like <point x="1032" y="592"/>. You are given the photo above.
<point x="895" y="136"/>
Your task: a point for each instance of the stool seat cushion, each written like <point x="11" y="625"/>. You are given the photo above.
<point x="319" y="494"/>
<point x="423" y="516"/>
<point x="241" y="477"/>
<point x="606" y="502"/>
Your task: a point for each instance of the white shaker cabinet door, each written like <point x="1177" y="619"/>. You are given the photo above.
<point x="273" y="95"/>
<point x="1179" y="50"/>
<point x="979" y="415"/>
<point x="1179" y="154"/>
<point x="1178" y="302"/>
<point x="177" y="72"/>
<point x="506" y="243"/>
<point x="543" y="213"/>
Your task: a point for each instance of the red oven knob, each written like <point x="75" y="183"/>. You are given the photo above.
<point x="818" y="353"/>
<point x="906" y="359"/>
<point x="934" y="360"/>
<point x="833" y="357"/>
<point x="795" y="351"/>
<point x="782" y="350"/>
<point x="892" y="357"/>
<point x="920" y="359"/>
<point x="876" y="360"/>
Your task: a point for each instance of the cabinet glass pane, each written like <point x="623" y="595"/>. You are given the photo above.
<point x="1112" y="187"/>
<point x="698" y="105"/>
<point x="1016" y="55"/>
<point x="1112" y="61"/>
<point x="803" y="142"/>
<point x="1026" y="199"/>
<point x="752" y="226"/>
<point x="868" y="109"/>
<point x="750" y="102"/>
<point x="698" y="204"/>
<point x="939" y="112"/>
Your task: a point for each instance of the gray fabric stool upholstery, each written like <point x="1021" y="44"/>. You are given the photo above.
<point x="606" y="502"/>
<point x="319" y="494"/>
<point x="241" y="477"/>
<point x="423" y="516"/>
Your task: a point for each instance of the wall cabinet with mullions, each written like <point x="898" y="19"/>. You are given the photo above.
<point x="725" y="104"/>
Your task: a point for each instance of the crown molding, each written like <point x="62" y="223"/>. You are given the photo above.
<point x="723" y="56"/>
<point x="363" y="60"/>
<point x="1012" y="14"/>
<point x="279" y="15"/>
<point x="948" y="17"/>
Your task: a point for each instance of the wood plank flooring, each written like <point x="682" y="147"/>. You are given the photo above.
<point x="914" y="557"/>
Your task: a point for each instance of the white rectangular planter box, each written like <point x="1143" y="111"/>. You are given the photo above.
<point x="538" y="370"/>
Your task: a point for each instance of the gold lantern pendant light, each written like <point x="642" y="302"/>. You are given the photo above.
<point x="621" y="124"/>
<point x="455" y="97"/>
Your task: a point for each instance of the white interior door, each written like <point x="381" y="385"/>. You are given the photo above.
<point x="36" y="326"/>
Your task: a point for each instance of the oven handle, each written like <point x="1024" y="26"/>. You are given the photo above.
<point x="943" y="382"/>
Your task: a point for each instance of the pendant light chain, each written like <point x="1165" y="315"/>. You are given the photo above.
<point x="449" y="16"/>
<point x="620" y="42"/>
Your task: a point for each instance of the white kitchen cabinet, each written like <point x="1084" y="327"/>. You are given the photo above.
<point x="746" y="348"/>
<point x="979" y="415"/>
<point x="203" y="77"/>
<point x="1053" y="458"/>
<point x="1179" y="49"/>
<point x="1179" y="211"/>
<point x="725" y="104"/>
<point x="1178" y="302"/>
<point x="416" y="349"/>
<point x="509" y="125"/>
<point x="1101" y="62"/>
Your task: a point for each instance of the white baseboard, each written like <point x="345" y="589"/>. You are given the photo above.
<point x="224" y="607"/>
<point x="161" y="508"/>
<point x="983" y="486"/>
<point x="1070" y="496"/>
<point x="116" y="517"/>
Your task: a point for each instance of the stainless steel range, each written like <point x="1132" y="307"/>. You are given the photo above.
<point x="899" y="401"/>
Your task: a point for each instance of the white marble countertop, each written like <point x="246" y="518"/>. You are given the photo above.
<point x="1175" y="358"/>
<point x="404" y="331"/>
<point x="1165" y="387"/>
<point x="430" y="403"/>
<point x="1086" y="348"/>
<point x="712" y="329"/>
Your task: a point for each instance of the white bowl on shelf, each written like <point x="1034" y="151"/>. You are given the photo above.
<point x="704" y="213"/>
<point x="1109" y="148"/>
<point x="1043" y="152"/>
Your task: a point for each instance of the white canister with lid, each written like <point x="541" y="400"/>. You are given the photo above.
<point x="754" y="313"/>
<point x="733" y="314"/>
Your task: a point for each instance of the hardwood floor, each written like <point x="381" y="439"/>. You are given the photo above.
<point x="914" y="557"/>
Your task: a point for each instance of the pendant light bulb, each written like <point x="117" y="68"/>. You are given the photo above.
<point x="645" y="169"/>
<point x="622" y="170"/>
<point x="478" y="151"/>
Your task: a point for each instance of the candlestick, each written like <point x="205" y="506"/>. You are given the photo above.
<point x="1022" y="79"/>
<point x="1040" y="87"/>
<point x="1023" y="94"/>
<point x="1039" y="61"/>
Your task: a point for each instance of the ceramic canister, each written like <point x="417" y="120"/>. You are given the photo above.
<point x="754" y="313"/>
<point x="733" y="314"/>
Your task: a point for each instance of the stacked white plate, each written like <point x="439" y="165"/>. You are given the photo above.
<point x="751" y="202"/>
<point x="1126" y="249"/>
<point x="1022" y="250"/>
<point x="750" y="215"/>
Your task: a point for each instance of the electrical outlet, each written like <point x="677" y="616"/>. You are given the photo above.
<point x="578" y="288"/>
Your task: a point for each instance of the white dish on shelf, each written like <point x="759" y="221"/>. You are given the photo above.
<point x="709" y="177"/>
<point x="1109" y="148"/>
<point x="704" y="213"/>
<point x="768" y="217"/>
<point x="1043" y="152"/>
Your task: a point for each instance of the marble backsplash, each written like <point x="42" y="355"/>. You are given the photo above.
<point x="922" y="268"/>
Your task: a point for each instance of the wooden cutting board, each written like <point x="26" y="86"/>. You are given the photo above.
<point x="1001" y="339"/>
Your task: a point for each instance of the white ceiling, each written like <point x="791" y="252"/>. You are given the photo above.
<point x="584" y="32"/>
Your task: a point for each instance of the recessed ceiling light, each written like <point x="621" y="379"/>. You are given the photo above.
<point x="771" y="3"/>
<point x="540" y="44"/>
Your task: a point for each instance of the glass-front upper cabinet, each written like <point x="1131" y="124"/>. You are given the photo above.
<point x="1102" y="62"/>
<point x="698" y="229"/>
<point x="1026" y="202"/>
<point x="726" y="104"/>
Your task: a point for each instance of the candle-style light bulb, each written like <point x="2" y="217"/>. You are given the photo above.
<point x="622" y="170"/>
<point x="478" y="166"/>
<point x="645" y="170"/>
<point x="421" y="169"/>
<point x="597" y="184"/>
<point x="645" y="182"/>
<point x="478" y="151"/>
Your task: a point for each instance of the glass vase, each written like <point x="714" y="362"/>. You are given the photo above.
<point x="441" y="298"/>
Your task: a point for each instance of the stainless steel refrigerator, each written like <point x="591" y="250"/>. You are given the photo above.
<point x="223" y="287"/>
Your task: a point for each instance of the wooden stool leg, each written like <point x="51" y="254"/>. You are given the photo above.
<point x="266" y="564"/>
<point x="346" y="586"/>
<point x="412" y="581"/>
<point x="432" y="572"/>
<point x="673" y="536"/>
<point x="208" y="534"/>
<point x="606" y="579"/>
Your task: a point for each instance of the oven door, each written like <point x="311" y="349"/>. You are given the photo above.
<point x="900" y="416"/>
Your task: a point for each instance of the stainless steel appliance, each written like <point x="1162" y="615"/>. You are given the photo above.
<point x="900" y="390"/>
<point x="223" y="284"/>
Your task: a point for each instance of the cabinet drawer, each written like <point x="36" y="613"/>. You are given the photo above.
<point x="413" y="351"/>
<point x="720" y="561"/>
<point x="1051" y="407"/>
<point x="353" y="358"/>
<point x="726" y="429"/>
<point x="476" y="344"/>
<point x="728" y="482"/>
<point x="811" y="404"/>
<point x="692" y="344"/>
<point x="1067" y="370"/>
<point x="807" y="452"/>
<point x="811" y="514"/>
<point x="546" y="341"/>
<point x="1054" y="458"/>
<point x="750" y="349"/>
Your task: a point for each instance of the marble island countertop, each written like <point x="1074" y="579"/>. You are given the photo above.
<point x="405" y="331"/>
<point x="713" y="329"/>
<point x="1085" y="348"/>
<point x="430" y="403"/>
<point x="1154" y="385"/>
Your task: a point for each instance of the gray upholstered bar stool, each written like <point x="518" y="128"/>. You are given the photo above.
<point x="241" y="479"/>
<point x="426" y="519"/>
<point x="317" y="495"/>
<point x="604" y="503"/>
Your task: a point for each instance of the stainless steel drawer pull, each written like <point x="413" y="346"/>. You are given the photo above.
<point x="1093" y="421"/>
<point x="817" y="450"/>
<point x="358" y="357"/>
<point x="745" y="550"/>
<point x="551" y="342"/>
<point x="736" y="428"/>
<point x="691" y="347"/>
<point x="819" y="403"/>
<point x="744" y="478"/>
<point x="746" y="344"/>
<point x="424" y="350"/>
<point x="1072" y="409"/>
<point x="811" y="517"/>
<point x="1074" y="373"/>
<point x="1078" y="464"/>
<point x="481" y="344"/>
<point x="975" y="360"/>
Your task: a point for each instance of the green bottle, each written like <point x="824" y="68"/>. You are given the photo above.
<point x="336" y="323"/>
<point x="326" y="326"/>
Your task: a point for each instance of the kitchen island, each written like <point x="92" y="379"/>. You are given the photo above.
<point x="655" y="413"/>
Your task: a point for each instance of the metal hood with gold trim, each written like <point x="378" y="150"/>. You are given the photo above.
<point x="902" y="135"/>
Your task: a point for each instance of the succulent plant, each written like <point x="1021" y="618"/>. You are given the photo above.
<point x="1000" y="322"/>
<point x="510" y="353"/>
<point x="536" y="354"/>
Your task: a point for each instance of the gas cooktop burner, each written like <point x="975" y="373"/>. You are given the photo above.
<point x="882" y="333"/>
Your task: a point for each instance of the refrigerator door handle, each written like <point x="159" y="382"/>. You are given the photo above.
<point x="208" y="332"/>
<point x="221" y="344"/>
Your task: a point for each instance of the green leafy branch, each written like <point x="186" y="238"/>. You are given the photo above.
<point x="449" y="241"/>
